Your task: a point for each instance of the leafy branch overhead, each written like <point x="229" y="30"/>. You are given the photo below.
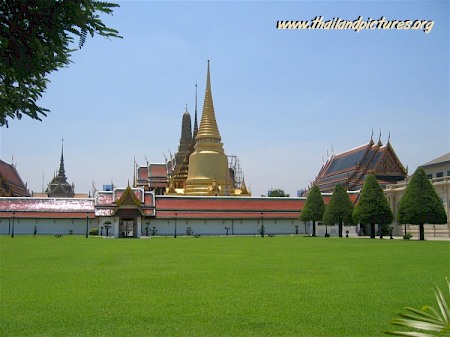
<point x="35" y="40"/>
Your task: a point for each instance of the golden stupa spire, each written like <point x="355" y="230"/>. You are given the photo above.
<point x="208" y="172"/>
<point x="208" y="126"/>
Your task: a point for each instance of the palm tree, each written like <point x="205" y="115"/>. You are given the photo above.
<point x="432" y="322"/>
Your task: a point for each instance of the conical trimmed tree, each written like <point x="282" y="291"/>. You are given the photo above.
<point x="339" y="210"/>
<point x="420" y="204"/>
<point x="373" y="207"/>
<point x="314" y="207"/>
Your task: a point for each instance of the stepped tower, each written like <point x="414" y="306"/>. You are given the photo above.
<point x="59" y="187"/>
<point x="208" y="172"/>
<point x="185" y="139"/>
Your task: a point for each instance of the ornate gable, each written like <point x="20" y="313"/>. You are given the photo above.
<point x="389" y="163"/>
<point x="128" y="198"/>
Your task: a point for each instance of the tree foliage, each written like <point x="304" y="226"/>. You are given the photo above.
<point x="420" y="204"/>
<point x="35" y="40"/>
<point x="373" y="207"/>
<point x="277" y="193"/>
<point x="339" y="210"/>
<point x="314" y="207"/>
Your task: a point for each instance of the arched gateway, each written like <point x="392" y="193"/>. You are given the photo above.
<point x="124" y="210"/>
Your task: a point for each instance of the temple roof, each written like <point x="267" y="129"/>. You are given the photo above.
<point x="442" y="159"/>
<point x="351" y="167"/>
<point x="47" y="207"/>
<point x="142" y="175"/>
<point x="157" y="170"/>
<point x="11" y="184"/>
<point x="157" y="175"/>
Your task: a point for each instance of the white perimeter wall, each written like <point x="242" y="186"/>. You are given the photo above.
<point x="217" y="226"/>
<point x="167" y="226"/>
<point x="46" y="226"/>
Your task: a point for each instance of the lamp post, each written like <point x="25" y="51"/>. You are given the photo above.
<point x="12" y="229"/>
<point x="262" y="224"/>
<point x="87" y="225"/>
<point x="175" y="234"/>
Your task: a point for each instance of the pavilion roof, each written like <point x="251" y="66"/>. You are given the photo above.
<point x="350" y="168"/>
<point x="157" y="170"/>
<point x="13" y="181"/>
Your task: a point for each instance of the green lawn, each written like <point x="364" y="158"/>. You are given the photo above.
<point x="213" y="286"/>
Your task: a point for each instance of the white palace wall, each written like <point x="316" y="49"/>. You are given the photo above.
<point x="46" y="226"/>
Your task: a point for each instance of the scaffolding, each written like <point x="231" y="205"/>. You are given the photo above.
<point x="235" y="171"/>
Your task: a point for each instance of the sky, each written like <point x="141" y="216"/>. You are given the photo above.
<point x="285" y="100"/>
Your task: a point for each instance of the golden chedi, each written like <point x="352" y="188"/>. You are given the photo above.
<point x="208" y="172"/>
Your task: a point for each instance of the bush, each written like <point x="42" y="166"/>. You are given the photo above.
<point x="93" y="231"/>
<point x="327" y="235"/>
<point x="407" y="236"/>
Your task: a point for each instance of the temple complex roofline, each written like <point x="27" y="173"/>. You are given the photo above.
<point x="350" y="168"/>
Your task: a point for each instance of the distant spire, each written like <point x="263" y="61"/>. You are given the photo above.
<point x="389" y="136"/>
<point x="134" y="172"/>
<point x="208" y="125"/>
<point x="195" y="118"/>
<point x="62" y="172"/>
<point x="59" y="187"/>
<point x="379" y="138"/>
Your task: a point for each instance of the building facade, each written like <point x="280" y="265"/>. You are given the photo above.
<point x="438" y="171"/>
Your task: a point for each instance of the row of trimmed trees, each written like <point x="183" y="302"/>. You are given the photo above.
<point x="419" y="205"/>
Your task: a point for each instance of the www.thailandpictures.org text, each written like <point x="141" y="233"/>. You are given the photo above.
<point x="358" y="24"/>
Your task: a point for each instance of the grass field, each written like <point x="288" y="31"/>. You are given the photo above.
<point x="213" y="286"/>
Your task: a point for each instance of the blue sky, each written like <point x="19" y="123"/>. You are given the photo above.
<point x="283" y="98"/>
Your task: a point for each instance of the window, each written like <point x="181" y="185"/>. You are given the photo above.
<point x="430" y="176"/>
<point x="439" y="174"/>
<point x="448" y="173"/>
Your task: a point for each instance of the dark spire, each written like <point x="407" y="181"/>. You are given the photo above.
<point x="185" y="139"/>
<point x="59" y="187"/>
<point x="62" y="172"/>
